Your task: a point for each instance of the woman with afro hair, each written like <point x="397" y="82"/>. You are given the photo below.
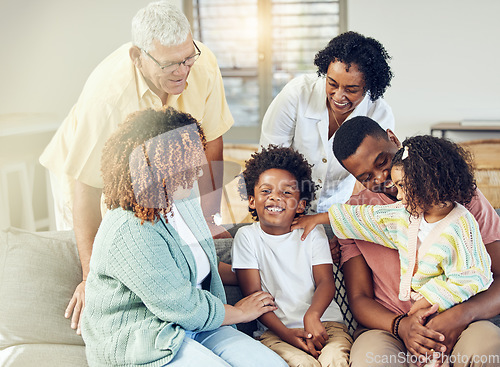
<point x="353" y="74"/>
<point x="153" y="296"/>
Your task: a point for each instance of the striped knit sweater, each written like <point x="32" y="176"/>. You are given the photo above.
<point x="141" y="290"/>
<point x="452" y="263"/>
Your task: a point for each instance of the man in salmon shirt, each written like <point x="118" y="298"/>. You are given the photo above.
<point x="372" y="273"/>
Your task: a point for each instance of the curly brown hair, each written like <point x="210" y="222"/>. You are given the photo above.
<point x="278" y="157"/>
<point x="150" y="153"/>
<point x="436" y="170"/>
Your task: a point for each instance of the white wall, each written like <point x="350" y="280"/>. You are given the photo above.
<point x="445" y="53"/>
<point x="446" y="58"/>
<point x="49" y="47"/>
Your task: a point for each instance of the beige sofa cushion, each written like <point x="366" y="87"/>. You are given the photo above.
<point x="43" y="355"/>
<point x="38" y="274"/>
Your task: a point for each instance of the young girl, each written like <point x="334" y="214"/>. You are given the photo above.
<point x="443" y="258"/>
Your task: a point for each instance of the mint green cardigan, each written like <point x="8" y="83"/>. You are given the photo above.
<point x="141" y="291"/>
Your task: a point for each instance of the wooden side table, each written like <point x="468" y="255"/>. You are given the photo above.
<point x="487" y="167"/>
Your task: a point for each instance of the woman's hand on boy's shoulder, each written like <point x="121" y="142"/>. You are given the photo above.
<point x="418" y="338"/>
<point x="309" y="222"/>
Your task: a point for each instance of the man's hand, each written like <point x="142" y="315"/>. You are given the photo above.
<point x="419" y="339"/>
<point x="76" y="306"/>
<point x="449" y="325"/>
<point x="86" y="221"/>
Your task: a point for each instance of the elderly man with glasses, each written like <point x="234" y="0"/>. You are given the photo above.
<point x="162" y="66"/>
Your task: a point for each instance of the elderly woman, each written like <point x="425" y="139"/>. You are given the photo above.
<point x="353" y="74"/>
<point x="154" y="296"/>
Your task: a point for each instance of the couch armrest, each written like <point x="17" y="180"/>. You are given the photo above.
<point x="38" y="275"/>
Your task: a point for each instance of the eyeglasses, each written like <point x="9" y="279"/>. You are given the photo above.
<point x="170" y="68"/>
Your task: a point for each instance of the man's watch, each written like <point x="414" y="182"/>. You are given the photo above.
<point x="216" y="219"/>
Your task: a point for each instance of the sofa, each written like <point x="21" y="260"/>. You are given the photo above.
<point x="38" y="274"/>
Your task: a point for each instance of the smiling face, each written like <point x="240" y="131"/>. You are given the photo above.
<point x="344" y="89"/>
<point x="440" y="210"/>
<point x="397" y="175"/>
<point x="276" y="199"/>
<point x="371" y="163"/>
<point x="163" y="83"/>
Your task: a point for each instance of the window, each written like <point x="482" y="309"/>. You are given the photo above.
<point x="260" y="45"/>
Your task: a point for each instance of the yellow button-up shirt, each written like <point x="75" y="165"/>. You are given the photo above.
<point x="115" y="89"/>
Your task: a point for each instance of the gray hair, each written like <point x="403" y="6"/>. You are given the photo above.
<point x="160" y="21"/>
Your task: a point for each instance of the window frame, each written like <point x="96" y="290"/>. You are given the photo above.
<point x="245" y="134"/>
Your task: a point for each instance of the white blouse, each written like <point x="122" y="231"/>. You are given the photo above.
<point x="298" y="117"/>
<point x="185" y="233"/>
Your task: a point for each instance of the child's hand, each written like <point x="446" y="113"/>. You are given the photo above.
<point x="418" y="305"/>
<point x="308" y="222"/>
<point x="313" y="325"/>
<point x="297" y="338"/>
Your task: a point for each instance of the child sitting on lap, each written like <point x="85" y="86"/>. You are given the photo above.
<point x="307" y="329"/>
<point x="443" y="258"/>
